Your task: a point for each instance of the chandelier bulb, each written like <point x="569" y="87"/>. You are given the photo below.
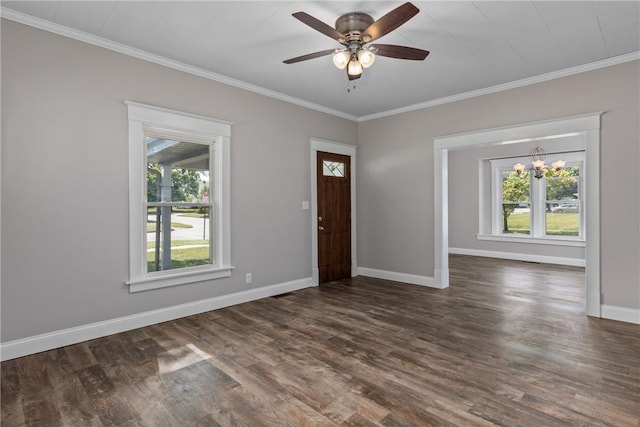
<point x="538" y="166"/>
<point x="558" y="164"/>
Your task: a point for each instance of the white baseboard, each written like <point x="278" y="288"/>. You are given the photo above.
<point x="440" y="278"/>
<point x="398" y="277"/>
<point x="35" y="344"/>
<point x="622" y="314"/>
<point x="576" y="262"/>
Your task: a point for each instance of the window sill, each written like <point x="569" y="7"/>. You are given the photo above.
<point x="166" y="279"/>
<point x="532" y="240"/>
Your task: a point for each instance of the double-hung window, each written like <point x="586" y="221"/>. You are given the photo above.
<point x="178" y="198"/>
<point x="540" y="209"/>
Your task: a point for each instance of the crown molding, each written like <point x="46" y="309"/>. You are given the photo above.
<point x="82" y="36"/>
<point x="62" y="30"/>
<point x="633" y="56"/>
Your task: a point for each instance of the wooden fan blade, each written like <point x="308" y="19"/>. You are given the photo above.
<point x="318" y="25"/>
<point x="389" y="22"/>
<point x="399" y="52"/>
<point x="309" y="56"/>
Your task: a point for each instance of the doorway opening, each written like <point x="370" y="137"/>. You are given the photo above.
<point x="588" y="126"/>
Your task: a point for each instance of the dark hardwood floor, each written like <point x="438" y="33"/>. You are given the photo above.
<point x="507" y="344"/>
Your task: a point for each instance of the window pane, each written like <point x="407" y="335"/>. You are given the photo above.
<point x="516" y="207"/>
<point x="183" y="243"/>
<point x="330" y="168"/>
<point x="563" y="203"/>
<point x="178" y="234"/>
<point x="176" y="171"/>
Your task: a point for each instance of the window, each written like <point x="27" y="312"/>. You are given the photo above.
<point x="515" y="208"/>
<point x="562" y="203"/>
<point x="178" y="198"/>
<point x="331" y="168"/>
<point x="549" y="208"/>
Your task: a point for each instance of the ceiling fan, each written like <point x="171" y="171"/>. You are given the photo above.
<point x="355" y="31"/>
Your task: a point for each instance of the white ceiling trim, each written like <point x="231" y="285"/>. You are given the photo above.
<point x="62" y="30"/>
<point x="633" y="56"/>
<point x="177" y="65"/>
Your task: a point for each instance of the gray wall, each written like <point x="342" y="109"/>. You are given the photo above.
<point x="466" y="190"/>
<point x="395" y="170"/>
<point x="64" y="178"/>
<point x="64" y="181"/>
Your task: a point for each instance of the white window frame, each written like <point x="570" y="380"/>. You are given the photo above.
<point x="537" y="203"/>
<point x="150" y="120"/>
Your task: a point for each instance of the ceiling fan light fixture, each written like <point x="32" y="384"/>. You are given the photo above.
<point x="366" y="58"/>
<point x="355" y="67"/>
<point x="341" y="59"/>
<point x="354" y="31"/>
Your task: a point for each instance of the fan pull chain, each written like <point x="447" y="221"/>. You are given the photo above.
<point x="351" y="85"/>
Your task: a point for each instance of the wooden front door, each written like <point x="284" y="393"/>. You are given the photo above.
<point x="334" y="216"/>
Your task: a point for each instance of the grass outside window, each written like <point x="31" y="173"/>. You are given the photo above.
<point x="558" y="224"/>
<point x="181" y="258"/>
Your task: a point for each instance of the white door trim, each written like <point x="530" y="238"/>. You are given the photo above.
<point x="589" y="125"/>
<point x="335" y="148"/>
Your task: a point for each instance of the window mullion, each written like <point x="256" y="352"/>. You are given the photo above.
<point x="538" y="207"/>
<point x="496" y="199"/>
<point x="581" y="204"/>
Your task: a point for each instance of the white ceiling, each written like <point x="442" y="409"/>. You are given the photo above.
<point x="473" y="45"/>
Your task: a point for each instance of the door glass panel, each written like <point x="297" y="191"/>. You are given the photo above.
<point x="331" y="168"/>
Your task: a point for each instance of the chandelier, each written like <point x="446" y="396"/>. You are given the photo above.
<point x="538" y="167"/>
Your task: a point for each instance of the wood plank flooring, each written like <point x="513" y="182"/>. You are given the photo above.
<point x="507" y="344"/>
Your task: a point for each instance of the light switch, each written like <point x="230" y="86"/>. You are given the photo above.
<point x="305" y="205"/>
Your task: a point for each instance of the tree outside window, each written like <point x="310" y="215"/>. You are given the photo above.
<point x="516" y="195"/>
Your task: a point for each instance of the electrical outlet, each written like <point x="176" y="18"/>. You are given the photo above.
<point x="248" y="277"/>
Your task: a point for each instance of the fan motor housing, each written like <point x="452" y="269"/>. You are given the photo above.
<point x="354" y="22"/>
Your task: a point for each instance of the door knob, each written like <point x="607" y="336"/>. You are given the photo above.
<point x="319" y="219"/>
<point x="321" y="228"/>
